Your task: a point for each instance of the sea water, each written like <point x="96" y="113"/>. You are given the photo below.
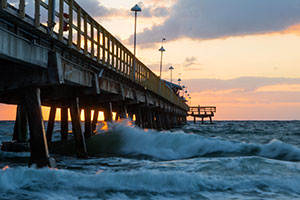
<point x="225" y="160"/>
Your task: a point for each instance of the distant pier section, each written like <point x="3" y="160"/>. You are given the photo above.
<point x="202" y="112"/>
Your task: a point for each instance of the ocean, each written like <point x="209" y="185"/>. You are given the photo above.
<point x="225" y="160"/>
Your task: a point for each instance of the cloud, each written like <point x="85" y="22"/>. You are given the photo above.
<point x="189" y="61"/>
<point x="243" y="84"/>
<point x="95" y="9"/>
<point x="211" y="19"/>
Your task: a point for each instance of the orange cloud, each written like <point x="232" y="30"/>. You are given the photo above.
<point x="295" y="29"/>
<point x="280" y="88"/>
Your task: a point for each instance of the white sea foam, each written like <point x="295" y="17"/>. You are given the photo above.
<point x="178" y="145"/>
<point x="65" y="184"/>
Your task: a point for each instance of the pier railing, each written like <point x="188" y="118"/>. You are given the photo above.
<point x="66" y="21"/>
<point x="202" y="110"/>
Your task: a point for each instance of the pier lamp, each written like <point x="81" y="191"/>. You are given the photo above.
<point x="179" y="81"/>
<point x="171" y="68"/>
<point x="190" y="98"/>
<point x="135" y="9"/>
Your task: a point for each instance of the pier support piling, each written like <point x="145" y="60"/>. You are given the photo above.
<point x="123" y="112"/>
<point x="108" y="113"/>
<point x="149" y="119"/>
<point x="64" y="123"/>
<point x="50" y="125"/>
<point x="20" y="129"/>
<point x="81" y="150"/>
<point x="87" y="123"/>
<point x="95" y="120"/>
<point x="158" y="121"/>
<point x="38" y="142"/>
<point x="138" y="118"/>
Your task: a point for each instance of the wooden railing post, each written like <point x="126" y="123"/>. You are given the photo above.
<point x="22" y="9"/>
<point x="85" y="35"/>
<point x="51" y="16"/>
<point x="3" y="3"/>
<point x="92" y="39"/>
<point x="78" y="28"/>
<point x="108" y="50"/>
<point x="37" y="13"/>
<point x="61" y="20"/>
<point x="70" y="38"/>
<point x="103" y="48"/>
<point x="98" y="43"/>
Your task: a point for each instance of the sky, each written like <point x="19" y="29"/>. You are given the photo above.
<point x="241" y="56"/>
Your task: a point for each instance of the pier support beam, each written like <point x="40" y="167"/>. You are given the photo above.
<point x="20" y="129"/>
<point x="87" y="123"/>
<point x="108" y="112"/>
<point x="159" y="121"/>
<point x="81" y="150"/>
<point x="38" y="142"/>
<point x="64" y="123"/>
<point x="163" y="121"/>
<point x="95" y="120"/>
<point x="166" y="119"/>
<point x="123" y="112"/>
<point x="51" y="121"/>
<point x="149" y="119"/>
<point x="138" y="117"/>
<point x="154" y="124"/>
<point x="170" y="116"/>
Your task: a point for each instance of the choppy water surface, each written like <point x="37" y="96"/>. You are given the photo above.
<point x="226" y="160"/>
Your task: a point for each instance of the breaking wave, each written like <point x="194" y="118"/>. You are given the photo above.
<point x="179" y="145"/>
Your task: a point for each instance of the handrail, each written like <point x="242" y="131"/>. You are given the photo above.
<point x="202" y="109"/>
<point x="88" y="36"/>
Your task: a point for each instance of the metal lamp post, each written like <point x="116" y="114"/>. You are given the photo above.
<point x="161" y="58"/>
<point x="135" y="9"/>
<point x="171" y="68"/>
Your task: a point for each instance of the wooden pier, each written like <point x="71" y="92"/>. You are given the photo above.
<point x="202" y="112"/>
<point x="71" y="62"/>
